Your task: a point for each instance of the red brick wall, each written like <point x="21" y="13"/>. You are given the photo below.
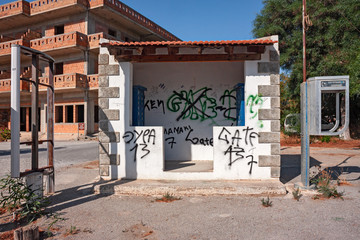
<point x="49" y="31"/>
<point x="78" y="26"/>
<point x="76" y="66"/>
<point x="100" y="28"/>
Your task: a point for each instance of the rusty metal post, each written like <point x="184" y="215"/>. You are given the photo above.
<point x="34" y="112"/>
<point x="50" y="129"/>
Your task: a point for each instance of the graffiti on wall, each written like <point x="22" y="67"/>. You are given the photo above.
<point x="240" y="145"/>
<point x="197" y="105"/>
<point x="193" y="105"/>
<point x="139" y="141"/>
<point x="255" y="102"/>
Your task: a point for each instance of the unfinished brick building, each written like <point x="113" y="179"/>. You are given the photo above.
<point x="70" y="32"/>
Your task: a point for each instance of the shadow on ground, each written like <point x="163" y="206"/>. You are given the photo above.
<point x="291" y="169"/>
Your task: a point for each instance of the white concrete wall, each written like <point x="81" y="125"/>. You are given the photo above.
<point x="236" y="153"/>
<point x="203" y="132"/>
<point x="190" y="136"/>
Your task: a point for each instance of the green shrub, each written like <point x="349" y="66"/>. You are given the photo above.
<point x="5" y="134"/>
<point x="20" y="200"/>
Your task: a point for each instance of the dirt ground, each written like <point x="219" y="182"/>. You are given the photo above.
<point x="334" y="142"/>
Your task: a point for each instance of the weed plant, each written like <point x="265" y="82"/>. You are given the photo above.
<point x="266" y="202"/>
<point x="20" y="200"/>
<point x="323" y="185"/>
<point x="297" y="194"/>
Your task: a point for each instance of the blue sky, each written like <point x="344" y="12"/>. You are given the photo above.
<point x="195" y="20"/>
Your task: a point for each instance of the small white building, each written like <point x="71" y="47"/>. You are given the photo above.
<point x="189" y="110"/>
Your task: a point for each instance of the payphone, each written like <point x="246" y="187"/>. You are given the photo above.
<point x="321" y="91"/>
<point x="319" y="119"/>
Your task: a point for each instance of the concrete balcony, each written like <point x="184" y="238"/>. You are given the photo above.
<point x="66" y="81"/>
<point x="110" y="9"/>
<point x="66" y="43"/>
<point x="5" y="86"/>
<point x="42" y="6"/>
<point x="20" y="13"/>
<point x="14" y="8"/>
<point x="5" y="48"/>
<point x="93" y="81"/>
<point x="94" y="39"/>
<point x="61" y="82"/>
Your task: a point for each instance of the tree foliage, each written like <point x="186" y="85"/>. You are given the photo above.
<point x="333" y="40"/>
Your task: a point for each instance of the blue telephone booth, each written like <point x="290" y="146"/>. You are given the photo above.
<point x="240" y="104"/>
<point x="138" y="114"/>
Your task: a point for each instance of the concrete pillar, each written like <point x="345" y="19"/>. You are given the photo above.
<point x="75" y="116"/>
<point x="27" y="119"/>
<point x="64" y="114"/>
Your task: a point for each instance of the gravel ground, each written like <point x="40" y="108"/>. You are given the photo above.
<point x="208" y="217"/>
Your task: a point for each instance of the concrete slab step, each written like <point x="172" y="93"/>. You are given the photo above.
<point x="191" y="188"/>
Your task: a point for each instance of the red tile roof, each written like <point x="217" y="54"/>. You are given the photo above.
<point x="190" y="43"/>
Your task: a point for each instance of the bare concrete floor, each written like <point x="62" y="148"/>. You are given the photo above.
<point x="189" y="166"/>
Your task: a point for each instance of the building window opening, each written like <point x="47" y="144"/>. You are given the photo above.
<point x="59" y="68"/>
<point x="59" y="29"/>
<point x="58" y="114"/>
<point x="69" y="113"/>
<point x="96" y="114"/>
<point x="80" y="113"/>
<point x="112" y="32"/>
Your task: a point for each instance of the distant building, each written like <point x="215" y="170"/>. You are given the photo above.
<point x="69" y="31"/>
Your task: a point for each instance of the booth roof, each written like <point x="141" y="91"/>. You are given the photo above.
<point x="190" y="43"/>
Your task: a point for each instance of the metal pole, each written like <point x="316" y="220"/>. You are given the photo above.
<point x="304" y="40"/>
<point x="15" y="111"/>
<point x="305" y="142"/>
<point x="34" y="112"/>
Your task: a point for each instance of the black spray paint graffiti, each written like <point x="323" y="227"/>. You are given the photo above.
<point x="142" y="139"/>
<point x="174" y="131"/>
<point x="155" y="104"/>
<point x="197" y="140"/>
<point x="237" y="142"/>
<point x="197" y="105"/>
<point x="193" y="105"/>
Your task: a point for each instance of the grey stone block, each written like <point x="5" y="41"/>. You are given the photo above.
<point x="269" y="114"/>
<point x="109" y="70"/>
<point x="269" y="137"/>
<point x="268" y="67"/>
<point x="104" y="148"/>
<point x="275" y="172"/>
<point x="275" y="125"/>
<point x="103" y="59"/>
<point x="275" y="149"/>
<point x="103" y="103"/>
<point x="109" y="92"/>
<point x="109" y="114"/>
<point x="103" y="81"/>
<point x="274" y="79"/>
<point x="104" y="170"/>
<point x="104" y="125"/>
<point x="274" y="56"/>
<point x="107" y="137"/>
<point x="269" y="161"/>
<point x="269" y="90"/>
<point x="106" y="159"/>
<point x="275" y="102"/>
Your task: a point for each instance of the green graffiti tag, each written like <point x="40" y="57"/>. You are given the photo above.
<point x="255" y="102"/>
<point x="193" y="105"/>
